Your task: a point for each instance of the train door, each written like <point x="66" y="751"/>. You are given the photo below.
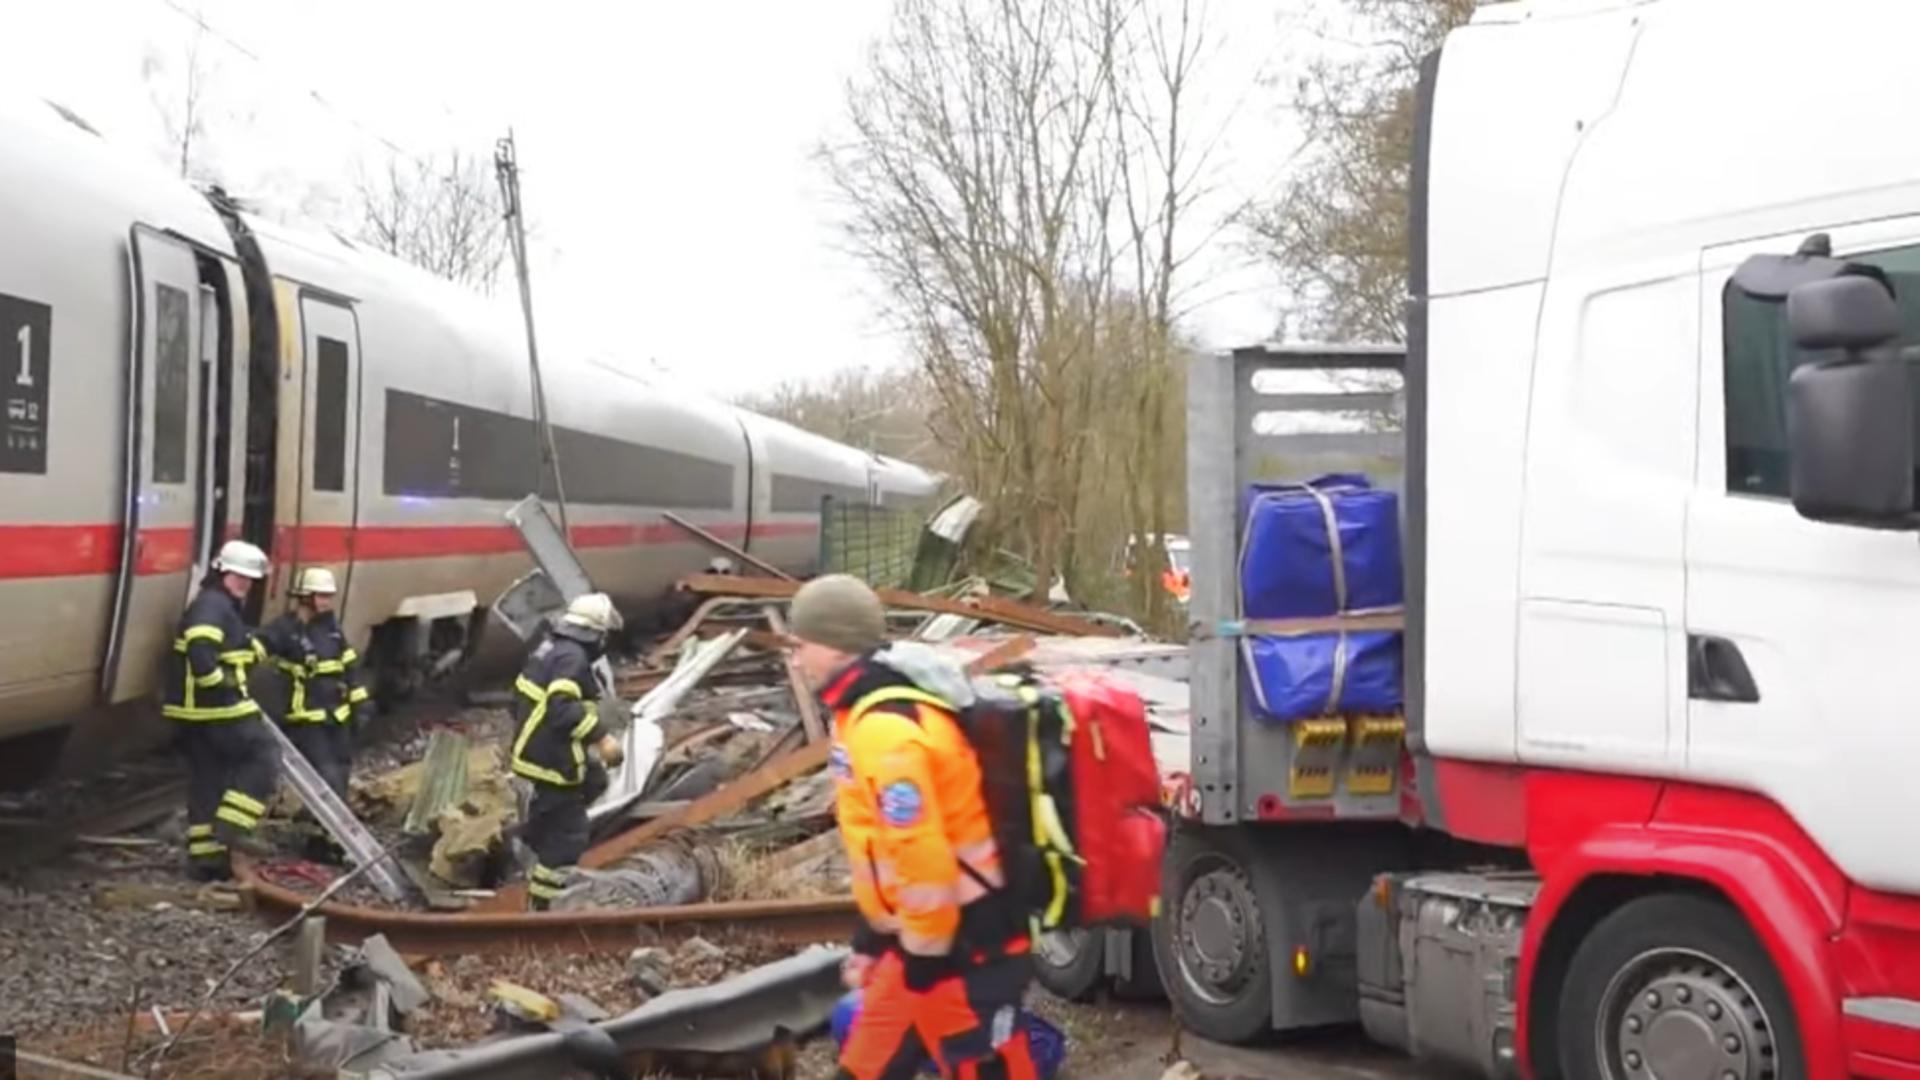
<point x="329" y="439"/>
<point x="166" y="511"/>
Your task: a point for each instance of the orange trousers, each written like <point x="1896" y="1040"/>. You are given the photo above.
<point x="966" y="1024"/>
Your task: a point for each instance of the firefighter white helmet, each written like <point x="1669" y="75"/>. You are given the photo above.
<point x="315" y="579"/>
<point x="240" y="557"/>
<point x="593" y="611"/>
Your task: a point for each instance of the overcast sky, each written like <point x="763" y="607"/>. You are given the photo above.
<point x="666" y="148"/>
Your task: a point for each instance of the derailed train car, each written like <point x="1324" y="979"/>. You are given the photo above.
<point x="179" y="372"/>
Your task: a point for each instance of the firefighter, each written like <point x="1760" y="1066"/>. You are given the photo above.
<point x="943" y="960"/>
<point x="325" y="692"/>
<point x="556" y="705"/>
<point x="230" y="761"/>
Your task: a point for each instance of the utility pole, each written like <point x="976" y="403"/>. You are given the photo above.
<point x="507" y="165"/>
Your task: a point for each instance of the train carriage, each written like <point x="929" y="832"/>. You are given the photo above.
<point x="185" y="372"/>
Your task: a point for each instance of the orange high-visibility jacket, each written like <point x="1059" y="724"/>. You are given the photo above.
<point x="910" y="808"/>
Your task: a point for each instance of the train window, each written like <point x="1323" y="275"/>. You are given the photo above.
<point x="172" y="379"/>
<point x="330" y="417"/>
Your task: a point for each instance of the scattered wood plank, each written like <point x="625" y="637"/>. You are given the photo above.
<point x="732" y="552"/>
<point x="994" y="609"/>
<point x="734" y="795"/>
<point x="1001" y="655"/>
<point x="802" y="693"/>
<point x="202" y="898"/>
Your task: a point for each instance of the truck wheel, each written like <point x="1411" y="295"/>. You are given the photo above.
<point x="1210" y="941"/>
<point x="1144" y="983"/>
<point x="1069" y="963"/>
<point x="1675" y="986"/>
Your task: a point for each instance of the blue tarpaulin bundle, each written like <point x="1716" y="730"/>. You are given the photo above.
<point x="1297" y="678"/>
<point x="1327" y="547"/>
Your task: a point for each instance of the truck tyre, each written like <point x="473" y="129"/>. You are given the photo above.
<point x="1070" y="963"/>
<point x="1675" y="986"/>
<point x="1210" y="941"/>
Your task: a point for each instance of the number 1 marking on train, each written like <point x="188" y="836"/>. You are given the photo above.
<point x="25" y="378"/>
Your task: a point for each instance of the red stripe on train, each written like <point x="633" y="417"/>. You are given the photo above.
<point x="37" y="551"/>
<point x="42" y="551"/>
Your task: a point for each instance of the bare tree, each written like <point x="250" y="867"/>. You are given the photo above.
<point x="882" y="412"/>
<point x="441" y="213"/>
<point x="1017" y="177"/>
<point x="180" y="88"/>
<point x="1337" y="232"/>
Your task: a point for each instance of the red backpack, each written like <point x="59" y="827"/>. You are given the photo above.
<point x="1074" y="794"/>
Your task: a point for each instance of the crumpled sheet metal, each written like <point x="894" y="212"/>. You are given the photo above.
<point x="733" y="1016"/>
<point x="644" y="740"/>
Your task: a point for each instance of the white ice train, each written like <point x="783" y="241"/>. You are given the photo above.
<point x="174" y="372"/>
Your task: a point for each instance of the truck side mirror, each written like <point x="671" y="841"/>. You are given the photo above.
<point x="1850" y="417"/>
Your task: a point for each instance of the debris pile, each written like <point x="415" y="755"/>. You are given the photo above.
<point x="713" y="855"/>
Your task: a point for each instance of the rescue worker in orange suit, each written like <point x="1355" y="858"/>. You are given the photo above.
<point x="325" y="693"/>
<point x="943" y="960"/>
<point x="556" y="704"/>
<point x="231" y="769"/>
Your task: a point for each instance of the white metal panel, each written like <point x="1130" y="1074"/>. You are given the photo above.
<point x="329" y="465"/>
<point x="162" y="464"/>
<point x="1511" y="107"/>
<point x="1594" y="687"/>
<point x="1741" y="119"/>
<point x="1481" y="349"/>
<point x="1609" y="468"/>
<point x="1827" y="618"/>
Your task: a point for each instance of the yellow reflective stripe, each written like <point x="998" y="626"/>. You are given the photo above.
<point x="329" y="667"/>
<point x="563" y="686"/>
<point x="543" y="892"/>
<point x="306" y="716"/>
<point x="238" y="818"/>
<point x="557" y="877"/>
<point x="357" y="695"/>
<point x="258" y="648"/>
<point x="292" y="667"/>
<point x="212" y="678"/>
<point x="202" y="632"/>
<point x="237" y="657"/>
<point x="342" y="714"/>
<point x="579" y="732"/>
<point x="202" y="848"/>
<point x="225" y="712"/>
<point x="894" y="693"/>
<point x="195" y="832"/>
<point x="530" y="688"/>
<point x="527" y="768"/>
<point x="244" y="801"/>
<point x="349" y="657"/>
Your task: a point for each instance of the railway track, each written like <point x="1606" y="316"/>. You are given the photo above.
<point x="598" y="930"/>
<point x="32" y="844"/>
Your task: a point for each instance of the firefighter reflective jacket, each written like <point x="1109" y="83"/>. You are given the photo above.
<point x="913" y="815"/>
<point x="323" y="672"/>
<point x="207" y="670"/>
<point x="556" y="704"/>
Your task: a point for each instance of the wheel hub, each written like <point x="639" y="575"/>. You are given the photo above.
<point x="1684" y="1018"/>
<point x="1218" y="929"/>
